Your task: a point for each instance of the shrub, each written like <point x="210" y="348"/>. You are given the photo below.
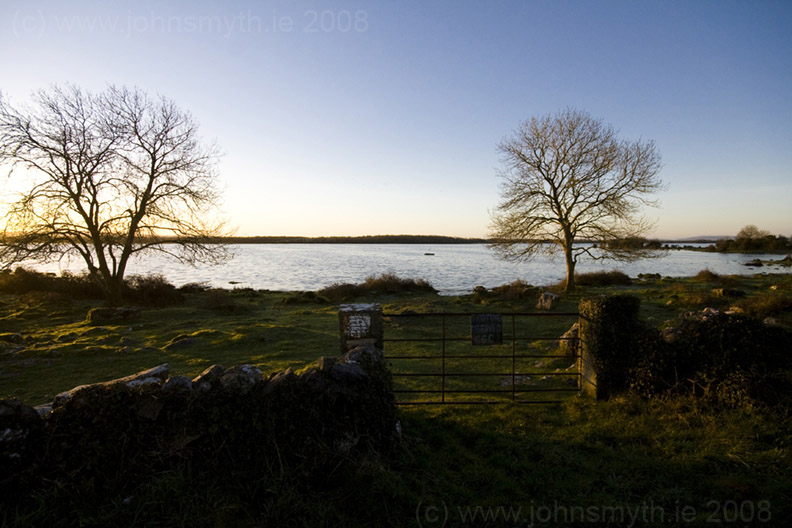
<point x="152" y="290"/>
<point x="338" y="292"/>
<point x="307" y="297"/>
<point x="727" y="357"/>
<point x="600" y="278"/>
<point x="699" y="299"/>
<point x="515" y="291"/>
<point x="706" y="275"/>
<point x="23" y="280"/>
<point x="650" y="276"/>
<point x="194" y="287"/>
<point x="391" y="283"/>
<point x="387" y="283"/>
<point x="765" y="304"/>
<point x="221" y="301"/>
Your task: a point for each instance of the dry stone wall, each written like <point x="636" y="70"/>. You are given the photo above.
<point x="236" y="420"/>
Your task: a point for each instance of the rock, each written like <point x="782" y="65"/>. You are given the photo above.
<point x="44" y="410"/>
<point x="348" y="373"/>
<point x="706" y="313"/>
<point x="241" y="378"/>
<point x="207" y="379"/>
<point x="274" y="381"/>
<point x="325" y="363"/>
<point x="366" y="354"/>
<point x="547" y="301"/>
<point x="109" y="315"/>
<point x="151" y="380"/>
<point x="148" y="408"/>
<point x="178" y="384"/>
<point x="569" y="341"/>
<point x="20" y="426"/>
<point x="755" y="263"/>
<point x="316" y="380"/>
<point x="152" y="376"/>
<point x="670" y="334"/>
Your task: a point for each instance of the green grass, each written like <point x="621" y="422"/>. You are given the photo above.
<point x="49" y="347"/>
<point x="667" y="454"/>
<point x="59" y="349"/>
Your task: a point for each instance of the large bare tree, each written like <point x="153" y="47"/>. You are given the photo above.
<point x="566" y="178"/>
<point x="107" y="176"/>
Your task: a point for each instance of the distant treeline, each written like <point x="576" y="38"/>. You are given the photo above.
<point x="631" y="243"/>
<point x="372" y="239"/>
<point x="767" y="243"/>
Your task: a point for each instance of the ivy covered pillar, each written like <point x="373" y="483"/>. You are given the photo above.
<point x="609" y="330"/>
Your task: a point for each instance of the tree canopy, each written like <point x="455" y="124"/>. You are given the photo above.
<point x="107" y="176"/>
<point x="567" y="177"/>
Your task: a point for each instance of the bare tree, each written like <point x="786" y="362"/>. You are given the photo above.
<point x="110" y="175"/>
<point x="568" y="178"/>
<point x="751" y="232"/>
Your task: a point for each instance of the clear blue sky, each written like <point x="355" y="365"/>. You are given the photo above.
<point x="355" y="117"/>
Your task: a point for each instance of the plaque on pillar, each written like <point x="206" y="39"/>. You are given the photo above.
<point x="361" y="324"/>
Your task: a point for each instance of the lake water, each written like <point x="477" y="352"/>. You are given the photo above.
<point x="452" y="269"/>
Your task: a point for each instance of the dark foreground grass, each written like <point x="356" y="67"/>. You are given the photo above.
<point x="620" y="463"/>
<point x="627" y="462"/>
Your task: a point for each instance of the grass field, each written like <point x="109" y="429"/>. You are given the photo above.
<point x="662" y="462"/>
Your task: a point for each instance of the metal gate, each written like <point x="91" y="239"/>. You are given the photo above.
<point x="469" y="358"/>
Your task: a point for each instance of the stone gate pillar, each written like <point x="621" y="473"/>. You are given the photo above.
<point x="608" y="344"/>
<point x="361" y="324"/>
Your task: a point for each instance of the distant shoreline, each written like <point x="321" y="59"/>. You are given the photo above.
<point x="388" y="239"/>
<point x="369" y="239"/>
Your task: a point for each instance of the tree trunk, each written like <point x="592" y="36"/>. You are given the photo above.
<point x="570" y="267"/>
<point x="113" y="291"/>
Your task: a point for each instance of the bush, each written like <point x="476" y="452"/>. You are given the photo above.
<point x="391" y="283"/>
<point x="600" y="278"/>
<point x="706" y="275"/>
<point x="149" y="290"/>
<point x="699" y="299"/>
<point x="387" y="283"/>
<point x="152" y="290"/>
<point x="338" y="292"/>
<point x="515" y="291"/>
<point x="75" y="286"/>
<point x="755" y="244"/>
<point x="765" y="304"/>
<point x="194" y="287"/>
<point x="221" y="301"/>
<point x="631" y="244"/>
<point x="727" y="357"/>
<point x="307" y="297"/>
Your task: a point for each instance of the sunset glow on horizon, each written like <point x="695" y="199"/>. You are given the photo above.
<point x="361" y="118"/>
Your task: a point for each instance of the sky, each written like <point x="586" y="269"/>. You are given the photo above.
<point x="363" y="117"/>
